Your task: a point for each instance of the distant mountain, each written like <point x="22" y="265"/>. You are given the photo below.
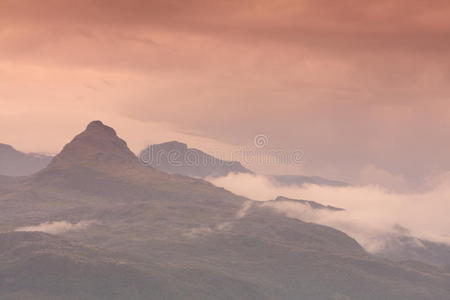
<point x="176" y="158"/>
<point x="311" y="204"/>
<point x="98" y="162"/>
<point x="186" y="234"/>
<point x="299" y="180"/>
<point x="16" y="163"/>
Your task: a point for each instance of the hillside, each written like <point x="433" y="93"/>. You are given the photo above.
<point x="205" y="241"/>
<point x="37" y="265"/>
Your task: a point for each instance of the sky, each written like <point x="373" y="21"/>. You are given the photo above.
<point x="361" y="88"/>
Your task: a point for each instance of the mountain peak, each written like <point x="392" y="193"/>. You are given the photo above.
<point x="99" y="124"/>
<point x="174" y="145"/>
<point x="96" y="123"/>
<point x="98" y="142"/>
<point x="100" y="128"/>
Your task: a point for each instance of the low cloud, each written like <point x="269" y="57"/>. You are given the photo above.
<point x="244" y="209"/>
<point x="373" y="215"/>
<point x="227" y="225"/>
<point x="57" y="227"/>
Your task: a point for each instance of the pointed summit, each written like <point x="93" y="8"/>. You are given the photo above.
<point x="98" y="125"/>
<point x="98" y="143"/>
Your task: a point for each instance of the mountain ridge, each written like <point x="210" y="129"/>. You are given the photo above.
<point x="311" y="204"/>
<point x="175" y="157"/>
<point x="16" y="163"/>
<point x="221" y="245"/>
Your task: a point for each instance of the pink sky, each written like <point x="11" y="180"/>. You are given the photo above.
<point x="362" y="87"/>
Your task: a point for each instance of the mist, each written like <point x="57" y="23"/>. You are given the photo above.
<point x="57" y="227"/>
<point x="373" y="215"/>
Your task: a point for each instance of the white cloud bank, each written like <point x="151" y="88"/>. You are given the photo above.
<point x="57" y="227"/>
<point x="372" y="214"/>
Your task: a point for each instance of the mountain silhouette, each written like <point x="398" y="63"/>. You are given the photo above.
<point x="97" y="144"/>
<point x="201" y="240"/>
<point x="16" y="163"/>
<point x="176" y="158"/>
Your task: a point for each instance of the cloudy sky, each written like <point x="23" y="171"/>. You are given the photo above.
<point x="361" y="87"/>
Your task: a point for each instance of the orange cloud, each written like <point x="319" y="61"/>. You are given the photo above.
<point x="348" y="82"/>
